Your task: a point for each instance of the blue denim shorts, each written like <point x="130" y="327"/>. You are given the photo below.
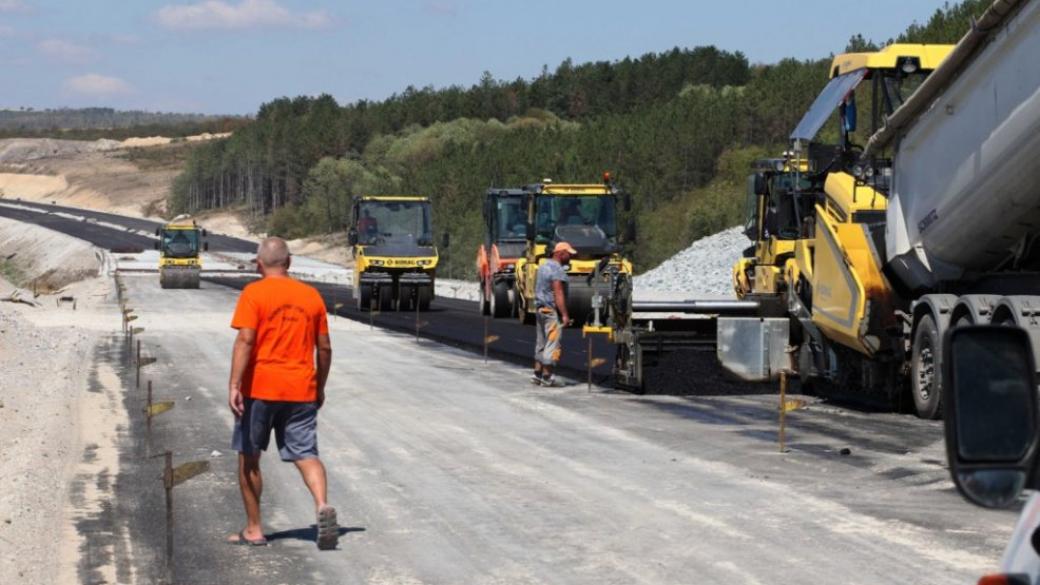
<point x="295" y="426"/>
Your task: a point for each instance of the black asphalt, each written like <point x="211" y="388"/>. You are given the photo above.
<point x="452" y="321"/>
<point x="217" y="243"/>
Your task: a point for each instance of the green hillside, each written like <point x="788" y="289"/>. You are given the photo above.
<point x="678" y="129"/>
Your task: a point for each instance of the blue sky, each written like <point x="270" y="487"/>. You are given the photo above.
<point x="229" y="56"/>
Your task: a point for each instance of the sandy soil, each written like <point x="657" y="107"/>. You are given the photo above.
<point x="49" y="412"/>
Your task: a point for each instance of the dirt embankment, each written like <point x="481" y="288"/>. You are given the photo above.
<point x="44" y="260"/>
<point x="133" y="177"/>
<point x="56" y="428"/>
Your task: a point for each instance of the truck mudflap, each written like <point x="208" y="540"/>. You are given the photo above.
<point x="754" y="349"/>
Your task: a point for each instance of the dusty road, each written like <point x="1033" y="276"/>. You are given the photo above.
<point x="447" y="471"/>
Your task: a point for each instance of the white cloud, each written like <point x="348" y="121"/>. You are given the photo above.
<point x="67" y="51"/>
<point x="12" y="6"/>
<point x="94" y="85"/>
<point x="246" y="14"/>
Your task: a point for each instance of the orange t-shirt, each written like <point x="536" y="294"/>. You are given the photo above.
<point x="288" y="316"/>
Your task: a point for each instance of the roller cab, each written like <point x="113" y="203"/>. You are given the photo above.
<point x="504" y="242"/>
<point x="586" y="216"/>
<point x="395" y="260"/>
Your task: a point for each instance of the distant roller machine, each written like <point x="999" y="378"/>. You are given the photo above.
<point x="505" y="221"/>
<point x="180" y="245"/>
<point x="395" y="260"/>
<point x="585" y="216"/>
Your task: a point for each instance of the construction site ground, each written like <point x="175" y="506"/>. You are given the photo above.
<point x="445" y="469"/>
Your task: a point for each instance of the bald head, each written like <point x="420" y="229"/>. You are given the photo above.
<point x="273" y="254"/>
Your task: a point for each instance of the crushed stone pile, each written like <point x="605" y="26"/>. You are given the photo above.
<point x="704" y="269"/>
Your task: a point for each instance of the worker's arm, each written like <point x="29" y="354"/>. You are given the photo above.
<point x="324" y="364"/>
<point x="240" y="356"/>
<point x="561" y="301"/>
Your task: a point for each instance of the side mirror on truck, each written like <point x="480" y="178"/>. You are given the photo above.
<point x="352" y="237"/>
<point x="630" y="231"/>
<point x="205" y="246"/>
<point x="990" y="402"/>
<point x="446" y="240"/>
<point x="626" y="201"/>
<point x="155" y="245"/>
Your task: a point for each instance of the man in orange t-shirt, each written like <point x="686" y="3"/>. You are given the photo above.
<point x="275" y="386"/>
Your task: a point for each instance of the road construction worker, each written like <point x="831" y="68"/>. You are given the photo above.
<point x="276" y="386"/>
<point x="550" y="314"/>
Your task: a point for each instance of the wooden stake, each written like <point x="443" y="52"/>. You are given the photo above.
<point x="783" y="408"/>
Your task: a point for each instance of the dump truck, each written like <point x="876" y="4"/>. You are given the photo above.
<point x="395" y="260"/>
<point x="929" y="226"/>
<point x="586" y="216"/>
<point x="504" y="242"/>
<point x="957" y="163"/>
<point x="180" y="244"/>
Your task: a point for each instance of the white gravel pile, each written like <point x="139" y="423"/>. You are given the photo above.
<point x="704" y="269"/>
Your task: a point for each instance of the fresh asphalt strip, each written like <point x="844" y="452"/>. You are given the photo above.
<point x="451" y="321"/>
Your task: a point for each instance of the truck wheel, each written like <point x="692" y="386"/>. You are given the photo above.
<point x="363" y="297"/>
<point x="500" y="306"/>
<point x="386" y="298"/>
<point x="424" y="296"/>
<point x="926" y="370"/>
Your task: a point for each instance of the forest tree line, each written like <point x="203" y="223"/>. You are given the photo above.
<point x="678" y="130"/>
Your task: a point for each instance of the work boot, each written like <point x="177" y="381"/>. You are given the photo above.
<point x="552" y="382"/>
<point x="536" y="379"/>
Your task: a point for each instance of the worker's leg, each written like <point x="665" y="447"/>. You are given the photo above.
<point x="251" y="434"/>
<point x="251" y="484"/>
<point x="539" y="347"/>
<point x="552" y="349"/>
<point x="296" y="430"/>
<point x="313" y="472"/>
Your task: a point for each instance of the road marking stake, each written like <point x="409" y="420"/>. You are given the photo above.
<point x="173" y="476"/>
<point x="783" y="409"/>
<point x="138" y="361"/>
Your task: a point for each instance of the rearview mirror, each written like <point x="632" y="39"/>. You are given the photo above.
<point x="155" y="245"/>
<point x="205" y="246"/>
<point x="626" y="202"/>
<point x="352" y="237"/>
<point x="759" y="185"/>
<point x="446" y="240"/>
<point x="630" y="231"/>
<point x="990" y="402"/>
<point x="530" y="232"/>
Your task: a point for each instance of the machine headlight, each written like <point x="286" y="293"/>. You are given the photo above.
<point x="376" y="262"/>
<point x="424" y="262"/>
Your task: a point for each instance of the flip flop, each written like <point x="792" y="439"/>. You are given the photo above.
<point x="328" y="529"/>
<point x="241" y="540"/>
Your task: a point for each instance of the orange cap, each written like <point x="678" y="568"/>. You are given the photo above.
<point x="564" y="247"/>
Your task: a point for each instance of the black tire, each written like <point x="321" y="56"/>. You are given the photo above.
<point x="926" y="369"/>
<point x="805" y="366"/>
<point x="386" y="298"/>
<point x="363" y="297"/>
<point x="424" y="296"/>
<point x="500" y="305"/>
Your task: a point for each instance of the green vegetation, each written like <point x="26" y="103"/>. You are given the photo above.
<point x="160" y="158"/>
<point x="677" y="129"/>
<point x="10" y="272"/>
